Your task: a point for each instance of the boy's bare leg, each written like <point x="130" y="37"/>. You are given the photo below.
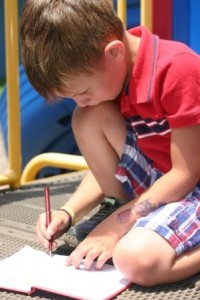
<point x="100" y="133"/>
<point x="148" y="259"/>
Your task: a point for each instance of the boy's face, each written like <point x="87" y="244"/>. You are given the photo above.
<point x="104" y="84"/>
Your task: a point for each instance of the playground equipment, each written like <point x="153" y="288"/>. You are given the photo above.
<point x="13" y="174"/>
<point x="173" y="19"/>
<point x="44" y="128"/>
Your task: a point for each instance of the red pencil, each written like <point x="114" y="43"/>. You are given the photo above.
<point x="48" y="213"/>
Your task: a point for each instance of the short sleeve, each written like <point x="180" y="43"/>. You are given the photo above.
<point x="181" y="90"/>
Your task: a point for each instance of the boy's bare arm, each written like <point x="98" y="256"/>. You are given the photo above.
<point x="185" y="171"/>
<point x="179" y="181"/>
<point x="87" y="196"/>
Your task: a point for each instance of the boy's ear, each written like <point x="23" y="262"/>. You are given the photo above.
<point x="115" y="50"/>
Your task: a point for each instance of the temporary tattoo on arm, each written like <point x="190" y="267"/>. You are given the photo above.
<point x="141" y="209"/>
<point x="124" y="216"/>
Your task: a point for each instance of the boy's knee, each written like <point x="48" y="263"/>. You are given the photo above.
<point x="78" y="117"/>
<point x="93" y="117"/>
<point x="81" y="121"/>
<point x="136" y="264"/>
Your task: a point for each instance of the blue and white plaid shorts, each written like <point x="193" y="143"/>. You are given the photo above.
<point x="177" y="222"/>
<point x="135" y="170"/>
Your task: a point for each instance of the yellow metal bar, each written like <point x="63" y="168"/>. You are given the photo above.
<point x="146" y="13"/>
<point x="8" y="178"/>
<point x="12" y="80"/>
<point x="58" y="160"/>
<point x="122" y="10"/>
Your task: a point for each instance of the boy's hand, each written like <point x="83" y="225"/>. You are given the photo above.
<point x="59" y="223"/>
<point x="98" y="245"/>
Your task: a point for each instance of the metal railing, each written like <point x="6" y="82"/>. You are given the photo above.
<point x="13" y="173"/>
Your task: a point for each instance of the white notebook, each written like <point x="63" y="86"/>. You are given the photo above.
<point x="28" y="270"/>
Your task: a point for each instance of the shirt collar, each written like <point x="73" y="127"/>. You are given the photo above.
<point x="143" y="73"/>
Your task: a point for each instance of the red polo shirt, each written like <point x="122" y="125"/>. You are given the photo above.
<point x="163" y="93"/>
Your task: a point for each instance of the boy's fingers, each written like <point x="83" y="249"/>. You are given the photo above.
<point x="55" y="226"/>
<point x="45" y="237"/>
<point x="41" y="227"/>
<point x="102" y="260"/>
<point x="53" y="244"/>
<point x="77" y="255"/>
<point x="43" y="233"/>
<point x="55" y="229"/>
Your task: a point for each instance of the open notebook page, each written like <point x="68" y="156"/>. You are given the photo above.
<point x="30" y="268"/>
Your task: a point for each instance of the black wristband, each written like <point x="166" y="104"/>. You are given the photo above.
<point x="70" y="217"/>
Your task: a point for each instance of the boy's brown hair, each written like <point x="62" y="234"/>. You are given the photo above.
<point x="63" y="38"/>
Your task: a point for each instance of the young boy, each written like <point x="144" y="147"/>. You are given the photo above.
<point x="137" y="124"/>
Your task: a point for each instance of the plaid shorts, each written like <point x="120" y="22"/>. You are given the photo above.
<point x="177" y="222"/>
<point x="135" y="170"/>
